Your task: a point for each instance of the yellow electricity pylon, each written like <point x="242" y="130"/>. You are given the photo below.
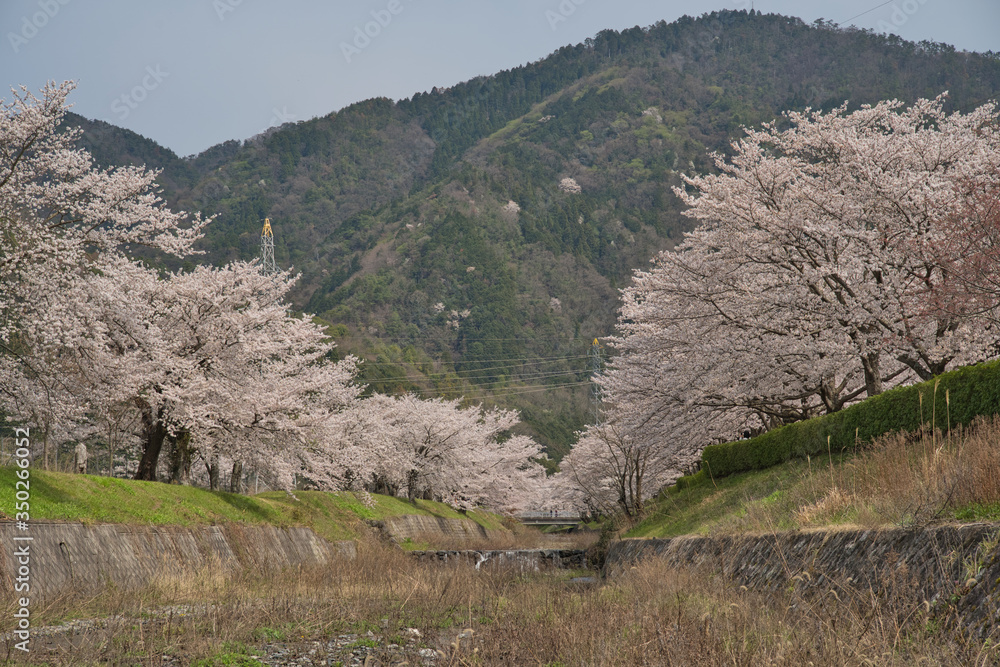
<point x="267" y="249"/>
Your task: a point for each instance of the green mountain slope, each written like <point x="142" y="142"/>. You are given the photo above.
<point x="440" y="232"/>
<point x="112" y="146"/>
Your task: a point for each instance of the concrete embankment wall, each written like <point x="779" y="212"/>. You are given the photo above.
<point x="420" y="527"/>
<point x="64" y="556"/>
<point x="68" y="556"/>
<point x="940" y="563"/>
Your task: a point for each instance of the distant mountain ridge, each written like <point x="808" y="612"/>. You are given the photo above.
<point x="470" y="240"/>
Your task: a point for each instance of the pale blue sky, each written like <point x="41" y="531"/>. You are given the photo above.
<point x="193" y="73"/>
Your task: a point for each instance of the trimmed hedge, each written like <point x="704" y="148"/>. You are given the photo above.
<point x="973" y="391"/>
<point x="688" y="481"/>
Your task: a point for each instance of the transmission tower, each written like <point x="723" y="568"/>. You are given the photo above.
<point x="267" y="249"/>
<point x="595" y="389"/>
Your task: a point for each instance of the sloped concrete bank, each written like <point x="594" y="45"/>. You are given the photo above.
<point x="958" y="564"/>
<point x="420" y="527"/>
<point x="63" y="556"/>
<point x="67" y="556"/>
<point x="978" y="602"/>
<point x="527" y="559"/>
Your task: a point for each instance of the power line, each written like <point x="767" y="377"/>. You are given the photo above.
<point x="868" y="11"/>
<point x="528" y="389"/>
<point x="486" y="371"/>
<point x="514" y="360"/>
<point x="526" y="376"/>
<point x="518" y="392"/>
<point x="524" y="338"/>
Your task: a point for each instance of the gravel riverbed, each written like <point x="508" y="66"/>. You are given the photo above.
<point x="57" y="643"/>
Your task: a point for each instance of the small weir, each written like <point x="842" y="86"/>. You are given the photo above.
<point x="525" y="559"/>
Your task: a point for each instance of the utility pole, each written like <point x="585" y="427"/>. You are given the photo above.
<point x="595" y="389"/>
<point x="267" y="249"/>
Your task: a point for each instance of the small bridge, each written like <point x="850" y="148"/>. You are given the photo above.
<point x="550" y="518"/>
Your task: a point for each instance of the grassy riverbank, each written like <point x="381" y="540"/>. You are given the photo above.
<point x="58" y="496"/>
<point x="899" y="480"/>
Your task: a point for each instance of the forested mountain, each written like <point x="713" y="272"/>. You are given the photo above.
<point x="470" y="240"/>
<point x="112" y="146"/>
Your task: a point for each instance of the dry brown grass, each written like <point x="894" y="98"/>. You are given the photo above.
<point x="650" y="615"/>
<point x="919" y="477"/>
<point x="908" y="479"/>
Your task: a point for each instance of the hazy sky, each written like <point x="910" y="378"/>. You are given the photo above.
<point x="193" y="73"/>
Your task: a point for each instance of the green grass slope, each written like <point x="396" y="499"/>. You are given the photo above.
<point x="921" y="453"/>
<point x="89" y="499"/>
<point x="901" y="479"/>
<point x="729" y="504"/>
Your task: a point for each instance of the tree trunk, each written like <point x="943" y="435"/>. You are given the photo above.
<point x="411" y="485"/>
<point x="380" y="485"/>
<point x="236" y="478"/>
<point x="180" y="458"/>
<point x="213" y="472"/>
<point x="111" y="451"/>
<point x="924" y="368"/>
<point x="873" y="377"/>
<point x="623" y="495"/>
<point x="45" y="448"/>
<point x="153" y="433"/>
<point x="830" y="395"/>
<point x="637" y="498"/>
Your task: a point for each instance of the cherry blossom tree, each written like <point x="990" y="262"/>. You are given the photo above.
<point x="208" y="362"/>
<point x="832" y="219"/>
<point x="61" y="220"/>
<point x="57" y="210"/>
<point x="436" y="449"/>
<point x="612" y="470"/>
<point x="693" y="335"/>
<point x="246" y="374"/>
<point x="88" y="335"/>
<point x="825" y="247"/>
<point x="968" y="251"/>
<point x="461" y="455"/>
<point x="213" y="358"/>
